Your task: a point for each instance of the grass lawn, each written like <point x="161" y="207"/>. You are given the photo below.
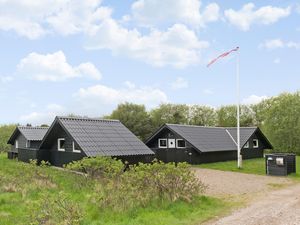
<point x="23" y="185"/>
<point x="252" y="166"/>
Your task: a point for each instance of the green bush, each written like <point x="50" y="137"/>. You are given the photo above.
<point x="98" y="167"/>
<point x="5" y="133"/>
<point x="58" y="209"/>
<point x="146" y="184"/>
<point x="139" y="185"/>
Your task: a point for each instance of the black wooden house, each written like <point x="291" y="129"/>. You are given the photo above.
<point x="25" y="142"/>
<point x="197" y="144"/>
<point x="72" y="138"/>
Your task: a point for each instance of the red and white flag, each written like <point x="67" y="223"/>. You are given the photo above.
<point x="222" y="56"/>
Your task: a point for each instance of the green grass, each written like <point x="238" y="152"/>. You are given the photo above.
<point x="23" y="185"/>
<point x="251" y="166"/>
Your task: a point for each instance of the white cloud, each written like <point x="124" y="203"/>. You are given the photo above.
<point x="94" y="96"/>
<point x="6" y="79"/>
<point x="208" y="92"/>
<point x="46" y="116"/>
<point x="129" y="84"/>
<point x="153" y="12"/>
<point x="179" y="83"/>
<point x="277" y="60"/>
<point x="254" y="99"/>
<point x="291" y="44"/>
<point x="33" y="19"/>
<point x="177" y="46"/>
<point x="247" y="15"/>
<point x="272" y="44"/>
<point x="278" y="43"/>
<point x="54" y="67"/>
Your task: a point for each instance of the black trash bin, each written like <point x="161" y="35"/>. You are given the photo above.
<point x="280" y="164"/>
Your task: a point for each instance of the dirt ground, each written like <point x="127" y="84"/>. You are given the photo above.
<point x="224" y="183"/>
<point x="281" y="207"/>
<point x="275" y="200"/>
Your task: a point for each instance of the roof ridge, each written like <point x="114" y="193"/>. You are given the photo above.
<point x="87" y="119"/>
<point x="37" y="127"/>
<point x="187" y="125"/>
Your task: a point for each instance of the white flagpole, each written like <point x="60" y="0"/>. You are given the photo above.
<point x="239" y="156"/>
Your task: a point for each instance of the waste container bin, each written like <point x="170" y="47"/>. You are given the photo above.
<point x="280" y="164"/>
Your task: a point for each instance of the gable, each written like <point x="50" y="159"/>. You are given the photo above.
<point x="51" y="139"/>
<point x="210" y="139"/>
<point x="29" y="133"/>
<point x="99" y="137"/>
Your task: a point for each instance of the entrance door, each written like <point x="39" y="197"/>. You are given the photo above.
<point x="171" y="143"/>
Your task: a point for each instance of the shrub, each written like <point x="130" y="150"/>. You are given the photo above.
<point x="144" y="184"/>
<point x="98" y="167"/>
<point x="58" y="209"/>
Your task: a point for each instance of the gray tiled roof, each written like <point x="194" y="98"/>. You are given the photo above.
<point x="211" y="139"/>
<point x="245" y="133"/>
<point x="103" y="137"/>
<point x="31" y="133"/>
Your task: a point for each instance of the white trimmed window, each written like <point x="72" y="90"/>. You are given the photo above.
<point x="180" y="143"/>
<point x="16" y="144"/>
<point x="27" y="144"/>
<point x="61" y="144"/>
<point x="246" y="145"/>
<point x="255" y="143"/>
<point x="76" y="148"/>
<point x="162" y="143"/>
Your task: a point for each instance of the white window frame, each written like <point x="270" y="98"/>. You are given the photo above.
<point x="180" y="140"/>
<point x="58" y="144"/>
<point x="27" y="144"/>
<point x="16" y="144"/>
<point x="246" y="145"/>
<point x="257" y="145"/>
<point x="163" y="139"/>
<point x="75" y="150"/>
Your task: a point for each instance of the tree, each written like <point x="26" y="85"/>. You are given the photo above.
<point x="226" y="116"/>
<point x="281" y="122"/>
<point x="5" y="133"/>
<point x="170" y="113"/>
<point x="202" y="116"/>
<point x="260" y="111"/>
<point x="135" y="118"/>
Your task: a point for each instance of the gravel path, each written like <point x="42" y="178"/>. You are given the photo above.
<point x="267" y="205"/>
<point x="281" y="207"/>
<point x="224" y="183"/>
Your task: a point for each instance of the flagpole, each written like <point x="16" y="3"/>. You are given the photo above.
<point x="239" y="156"/>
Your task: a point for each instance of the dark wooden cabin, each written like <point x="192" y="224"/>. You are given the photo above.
<point x="72" y="138"/>
<point x="25" y="142"/>
<point x="196" y="144"/>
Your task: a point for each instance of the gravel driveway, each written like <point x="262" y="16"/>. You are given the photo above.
<point x="269" y="206"/>
<point x="224" y="183"/>
<point x="281" y="207"/>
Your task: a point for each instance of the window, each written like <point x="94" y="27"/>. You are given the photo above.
<point x="76" y="147"/>
<point x="162" y="143"/>
<point x="17" y="144"/>
<point x="255" y="143"/>
<point x="180" y="143"/>
<point x="61" y="144"/>
<point x="27" y="144"/>
<point x="246" y="145"/>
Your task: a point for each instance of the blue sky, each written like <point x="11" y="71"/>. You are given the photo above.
<point x="85" y="57"/>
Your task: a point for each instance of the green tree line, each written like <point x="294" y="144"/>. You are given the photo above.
<point x="278" y="117"/>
